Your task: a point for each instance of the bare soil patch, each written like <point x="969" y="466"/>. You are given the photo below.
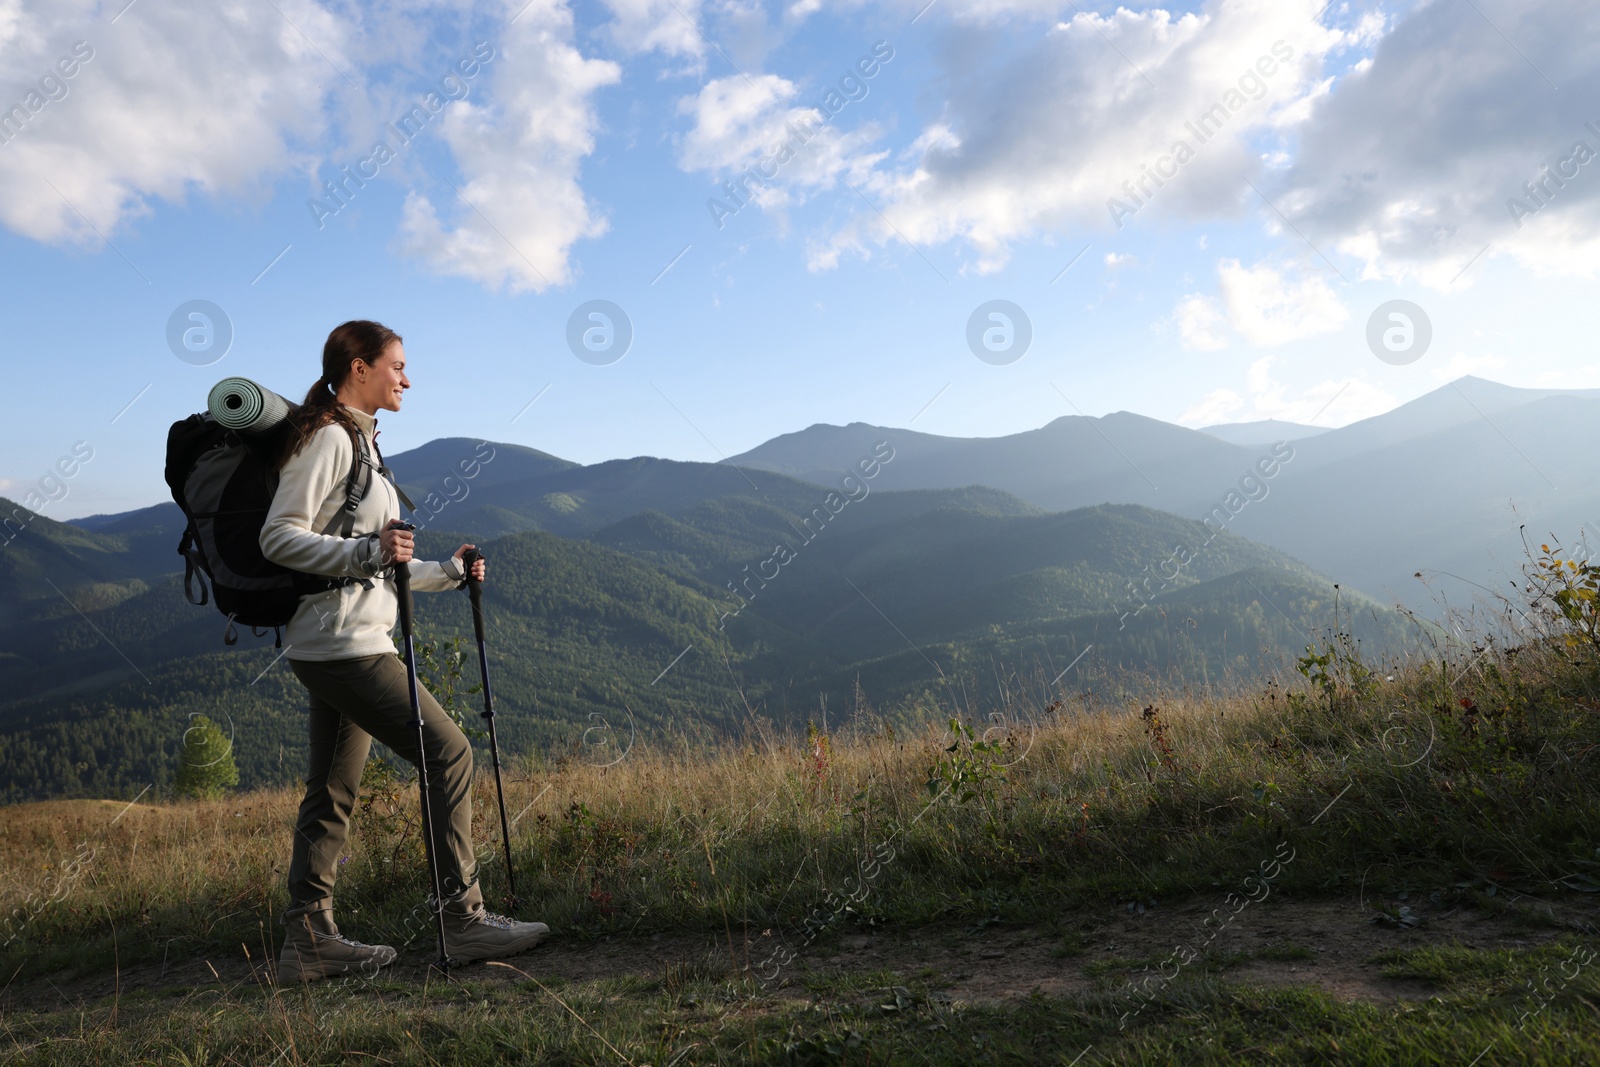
<point x="1328" y="944"/>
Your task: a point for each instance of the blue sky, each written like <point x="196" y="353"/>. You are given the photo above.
<point x="976" y="166"/>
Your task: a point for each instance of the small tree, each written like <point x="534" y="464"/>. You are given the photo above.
<point x="440" y="670"/>
<point x="205" y="765"/>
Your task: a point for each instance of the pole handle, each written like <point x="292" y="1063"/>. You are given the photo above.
<point x="474" y="590"/>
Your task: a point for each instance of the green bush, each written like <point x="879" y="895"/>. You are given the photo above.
<point x="205" y="764"/>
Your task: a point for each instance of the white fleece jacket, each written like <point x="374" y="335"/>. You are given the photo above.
<point x="351" y="621"/>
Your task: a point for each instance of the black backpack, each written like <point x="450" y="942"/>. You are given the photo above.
<point x="224" y="482"/>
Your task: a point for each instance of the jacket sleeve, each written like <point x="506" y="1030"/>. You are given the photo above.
<point x="430" y="577"/>
<point x="290" y="537"/>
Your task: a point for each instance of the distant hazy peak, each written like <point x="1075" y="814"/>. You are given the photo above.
<point x="1262" y="431"/>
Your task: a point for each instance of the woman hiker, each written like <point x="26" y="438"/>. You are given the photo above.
<point x="339" y="646"/>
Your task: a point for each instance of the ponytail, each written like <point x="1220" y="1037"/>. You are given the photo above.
<point x="350" y="341"/>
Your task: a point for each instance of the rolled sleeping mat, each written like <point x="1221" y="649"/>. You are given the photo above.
<point x="240" y="404"/>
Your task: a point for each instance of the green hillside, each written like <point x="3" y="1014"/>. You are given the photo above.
<point x="44" y="549"/>
<point x="573" y="501"/>
<point x="961" y="599"/>
<point x="966" y="594"/>
<point x="584" y="632"/>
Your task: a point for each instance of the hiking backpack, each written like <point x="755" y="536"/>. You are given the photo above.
<point x="224" y="481"/>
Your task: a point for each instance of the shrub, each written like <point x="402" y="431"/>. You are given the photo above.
<point x="205" y="765"/>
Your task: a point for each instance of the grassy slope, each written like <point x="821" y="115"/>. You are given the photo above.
<point x="1465" y="780"/>
<point x="909" y="595"/>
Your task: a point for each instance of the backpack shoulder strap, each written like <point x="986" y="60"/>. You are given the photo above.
<point x="388" y="475"/>
<point x="399" y="492"/>
<point x="355" y="487"/>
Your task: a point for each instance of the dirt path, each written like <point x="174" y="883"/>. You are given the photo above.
<point x="1326" y="943"/>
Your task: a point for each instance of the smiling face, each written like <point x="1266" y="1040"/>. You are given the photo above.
<point x="377" y="386"/>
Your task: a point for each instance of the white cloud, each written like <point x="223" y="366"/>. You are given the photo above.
<point x="668" y="26"/>
<point x="1329" y="402"/>
<point x="1200" y="323"/>
<point x="1268" y="308"/>
<point x="1459" y="365"/>
<point x="1263" y="306"/>
<point x="1404" y="142"/>
<point x="222" y="100"/>
<point x="775" y="152"/>
<point x="735" y="120"/>
<point x="1300" y="110"/>
<point x="204" y="98"/>
<point x="519" y="156"/>
<point x="1219" y="405"/>
<point x="1586" y="376"/>
<point x="1041" y="140"/>
<point x="1410" y="163"/>
<point x="11" y="15"/>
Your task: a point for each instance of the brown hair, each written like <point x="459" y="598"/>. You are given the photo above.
<point x="357" y="339"/>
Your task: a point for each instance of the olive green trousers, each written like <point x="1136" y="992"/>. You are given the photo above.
<point x="352" y="702"/>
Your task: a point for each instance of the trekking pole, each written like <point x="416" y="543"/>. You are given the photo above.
<point x="402" y="587"/>
<point x="475" y="591"/>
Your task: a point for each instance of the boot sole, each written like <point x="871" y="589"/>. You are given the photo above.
<point x="474" y="953"/>
<point x="292" y="969"/>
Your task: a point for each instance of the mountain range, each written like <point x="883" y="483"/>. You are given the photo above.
<point x="1441" y="485"/>
<point x="825" y="572"/>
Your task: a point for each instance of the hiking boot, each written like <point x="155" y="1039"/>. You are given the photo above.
<point x="308" y="955"/>
<point x="488" y="936"/>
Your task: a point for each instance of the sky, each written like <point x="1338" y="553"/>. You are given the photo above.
<point x="969" y="217"/>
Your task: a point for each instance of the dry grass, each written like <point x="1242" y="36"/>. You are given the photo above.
<point x="1457" y="778"/>
<point x="1441" y="776"/>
